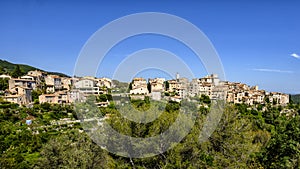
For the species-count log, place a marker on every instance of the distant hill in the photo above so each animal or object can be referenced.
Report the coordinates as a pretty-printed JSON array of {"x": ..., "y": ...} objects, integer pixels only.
[
  {"x": 7, "y": 67},
  {"x": 119, "y": 84},
  {"x": 295, "y": 98}
]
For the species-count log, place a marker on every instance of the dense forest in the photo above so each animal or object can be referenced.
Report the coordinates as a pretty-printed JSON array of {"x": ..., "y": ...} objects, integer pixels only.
[{"x": 261, "y": 136}]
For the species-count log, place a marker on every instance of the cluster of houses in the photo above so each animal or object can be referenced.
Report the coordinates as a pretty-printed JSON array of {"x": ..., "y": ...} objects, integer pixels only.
[
  {"x": 57, "y": 89},
  {"x": 54, "y": 88},
  {"x": 210, "y": 85}
]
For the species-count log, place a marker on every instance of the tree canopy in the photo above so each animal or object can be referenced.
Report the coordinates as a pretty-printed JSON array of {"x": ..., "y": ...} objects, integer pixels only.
[{"x": 246, "y": 137}]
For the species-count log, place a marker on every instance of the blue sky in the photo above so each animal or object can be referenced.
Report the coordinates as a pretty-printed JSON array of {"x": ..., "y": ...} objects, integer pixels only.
[{"x": 254, "y": 39}]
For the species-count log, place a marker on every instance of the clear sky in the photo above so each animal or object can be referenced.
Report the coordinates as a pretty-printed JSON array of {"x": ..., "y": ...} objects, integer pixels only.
[{"x": 258, "y": 41}]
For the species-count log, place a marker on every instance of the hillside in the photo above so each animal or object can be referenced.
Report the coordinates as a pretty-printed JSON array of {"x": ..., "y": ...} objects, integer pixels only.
[
  {"x": 295, "y": 98},
  {"x": 7, "y": 67}
]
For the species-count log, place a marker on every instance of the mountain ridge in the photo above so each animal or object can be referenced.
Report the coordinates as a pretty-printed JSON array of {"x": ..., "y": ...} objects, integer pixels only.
[{"x": 7, "y": 67}]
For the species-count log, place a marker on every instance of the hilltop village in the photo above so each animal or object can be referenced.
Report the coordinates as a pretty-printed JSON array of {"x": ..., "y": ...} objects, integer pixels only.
[{"x": 64, "y": 90}]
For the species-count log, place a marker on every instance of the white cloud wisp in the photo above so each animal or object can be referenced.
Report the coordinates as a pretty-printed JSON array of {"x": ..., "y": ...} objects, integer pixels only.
[
  {"x": 295, "y": 55},
  {"x": 273, "y": 70}
]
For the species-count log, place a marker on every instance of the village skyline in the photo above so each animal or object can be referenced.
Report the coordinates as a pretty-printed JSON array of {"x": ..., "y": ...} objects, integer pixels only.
[{"x": 49, "y": 88}]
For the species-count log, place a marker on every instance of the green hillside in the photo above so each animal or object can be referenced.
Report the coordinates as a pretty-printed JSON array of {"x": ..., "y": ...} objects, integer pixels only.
[
  {"x": 7, "y": 68},
  {"x": 295, "y": 98}
]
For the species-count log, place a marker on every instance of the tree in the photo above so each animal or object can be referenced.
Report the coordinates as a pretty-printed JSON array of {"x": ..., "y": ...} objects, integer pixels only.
[
  {"x": 35, "y": 94},
  {"x": 167, "y": 85},
  {"x": 16, "y": 72},
  {"x": 129, "y": 87},
  {"x": 149, "y": 87},
  {"x": 283, "y": 150},
  {"x": 267, "y": 100},
  {"x": 205, "y": 99},
  {"x": 2, "y": 70},
  {"x": 72, "y": 150},
  {"x": 290, "y": 99},
  {"x": 232, "y": 142},
  {"x": 102, "y": 98},
  {"x": 3, "y": 84}
]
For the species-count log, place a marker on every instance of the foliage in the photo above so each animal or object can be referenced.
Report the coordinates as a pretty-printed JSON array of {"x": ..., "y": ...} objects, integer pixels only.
[
  {"x": 130, "y": 86},
  {"x": 104, "y": 97},
  {"x": 283, "y": 150},
  {"x": 10, "y": 67},
  {"x": 149, "y": 87},
  {"x": 35, "y": 94},
  {"x": 167, "y": 85},
  {"x": 2, "y": 70},
  {"x": 246, "y": 137},
  {"x": 17, "y": 72},
  {"x": 3, "y": 84},
  {"x": 72, "y": 150},
  {"x": 204, "y": 99}
]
